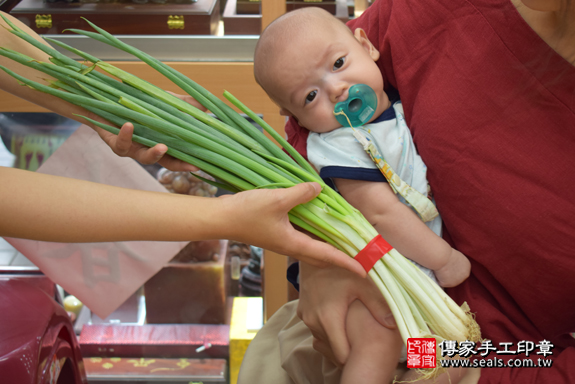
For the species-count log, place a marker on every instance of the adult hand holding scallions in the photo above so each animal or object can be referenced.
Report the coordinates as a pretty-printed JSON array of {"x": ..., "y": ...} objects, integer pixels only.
[
  {"x": 122, "y": 145},
  {"x": 240, "y": 158}
]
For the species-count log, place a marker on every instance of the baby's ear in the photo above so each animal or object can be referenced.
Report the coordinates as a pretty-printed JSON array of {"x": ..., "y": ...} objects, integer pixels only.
[
  {"x": 361, "y": 36},
  {"x": 285, "y": 112}
]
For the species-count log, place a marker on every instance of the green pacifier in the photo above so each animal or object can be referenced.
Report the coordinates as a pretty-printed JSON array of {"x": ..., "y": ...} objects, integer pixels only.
[{"x": 358, "y": 108}]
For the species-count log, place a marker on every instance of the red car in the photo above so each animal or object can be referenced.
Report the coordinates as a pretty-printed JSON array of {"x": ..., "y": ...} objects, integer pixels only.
[{"x": 37, "y": 340}]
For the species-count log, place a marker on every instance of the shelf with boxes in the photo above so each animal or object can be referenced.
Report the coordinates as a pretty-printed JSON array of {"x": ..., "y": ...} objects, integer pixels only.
[
  {"x": 243, "y": 17},
  {"x": 159, "y": 17},
  {"x": 200, "y": 17}
]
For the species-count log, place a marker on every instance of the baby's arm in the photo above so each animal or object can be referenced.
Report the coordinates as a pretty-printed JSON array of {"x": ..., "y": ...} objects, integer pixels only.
[{"x": 404, "y": 230}]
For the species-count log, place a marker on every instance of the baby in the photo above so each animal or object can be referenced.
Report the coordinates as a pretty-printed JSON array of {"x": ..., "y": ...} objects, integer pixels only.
[{"x": 306, "y": 61}]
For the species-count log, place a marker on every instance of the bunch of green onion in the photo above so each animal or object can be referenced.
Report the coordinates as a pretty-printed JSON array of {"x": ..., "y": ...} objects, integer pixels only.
[{"x": 240, "y": 157}]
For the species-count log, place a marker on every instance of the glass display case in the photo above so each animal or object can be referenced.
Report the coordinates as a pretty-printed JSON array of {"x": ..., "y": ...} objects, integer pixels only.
[{"x": 32, "y": 137}]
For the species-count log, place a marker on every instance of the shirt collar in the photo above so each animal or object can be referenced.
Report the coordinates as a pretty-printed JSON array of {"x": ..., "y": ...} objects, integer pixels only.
[{"x": 388, "y": 114}]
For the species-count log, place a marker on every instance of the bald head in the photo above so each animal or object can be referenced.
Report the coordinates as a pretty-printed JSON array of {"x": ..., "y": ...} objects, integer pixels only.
[{"x": 286, "y": 32}]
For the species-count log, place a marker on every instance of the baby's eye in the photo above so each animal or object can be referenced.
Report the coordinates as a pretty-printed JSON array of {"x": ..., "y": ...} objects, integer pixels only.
[
  {"x": 310, "y": 96},
  {"x": 339, "y": 63}
]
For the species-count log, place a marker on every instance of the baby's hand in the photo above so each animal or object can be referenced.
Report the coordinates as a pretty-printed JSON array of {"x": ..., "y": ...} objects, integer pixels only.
[{"x": 455, "y": 271}]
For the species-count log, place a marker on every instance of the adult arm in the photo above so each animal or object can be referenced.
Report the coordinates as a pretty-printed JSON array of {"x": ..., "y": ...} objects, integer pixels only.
[
  {"x": 122, "y": 145},
  {"x": 53, "y": 208}
]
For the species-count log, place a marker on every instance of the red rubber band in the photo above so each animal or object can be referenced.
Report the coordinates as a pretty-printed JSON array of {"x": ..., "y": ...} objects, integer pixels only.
[{"x": 373, "y": 251}]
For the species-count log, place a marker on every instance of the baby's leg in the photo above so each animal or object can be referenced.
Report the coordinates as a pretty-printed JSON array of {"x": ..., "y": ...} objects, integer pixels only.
[{"x": 375, "y": 350}]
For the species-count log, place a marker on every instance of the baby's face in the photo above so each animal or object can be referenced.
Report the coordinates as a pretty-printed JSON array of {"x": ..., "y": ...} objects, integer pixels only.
[{"x": 315, "y": 73}]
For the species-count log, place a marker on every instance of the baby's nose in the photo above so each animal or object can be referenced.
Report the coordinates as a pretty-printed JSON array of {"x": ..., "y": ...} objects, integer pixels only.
[{"x": 339, "y": 92}]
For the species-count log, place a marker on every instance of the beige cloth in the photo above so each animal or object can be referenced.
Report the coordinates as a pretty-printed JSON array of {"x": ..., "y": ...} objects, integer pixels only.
[{"x": 282, "y": 353}]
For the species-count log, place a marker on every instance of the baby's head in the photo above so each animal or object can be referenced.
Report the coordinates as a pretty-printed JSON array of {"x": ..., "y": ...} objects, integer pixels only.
[{"x": 307, "y": 60}]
